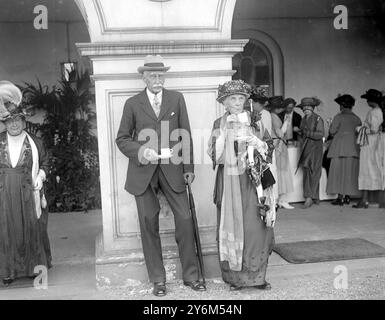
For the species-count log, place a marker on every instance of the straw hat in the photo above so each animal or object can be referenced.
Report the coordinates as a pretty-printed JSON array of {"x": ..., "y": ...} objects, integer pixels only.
[{"x": 153, "y": 63}]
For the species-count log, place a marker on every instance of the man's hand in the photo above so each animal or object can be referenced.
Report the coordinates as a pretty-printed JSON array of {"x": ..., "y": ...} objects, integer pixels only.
[
  {"x": 150, "y": 155},
  {"x": 189, "y": 177},
  {"x": 296, "y": 129}
]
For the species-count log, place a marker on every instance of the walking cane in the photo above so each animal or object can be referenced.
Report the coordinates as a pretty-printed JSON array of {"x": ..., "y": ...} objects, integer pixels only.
[{"x": 196, "y": 234}]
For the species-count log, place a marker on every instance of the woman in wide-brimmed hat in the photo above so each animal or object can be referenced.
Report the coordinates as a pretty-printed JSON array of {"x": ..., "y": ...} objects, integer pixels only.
[
  {"x": 23, "y": 166},
  {"x": 281, "y": 153},
  {"x": 244, "y": 233},
  {"x": 371, "y": 172},
  {"x": 344, "y": 152},
  {"x": 312, "y": 132}
]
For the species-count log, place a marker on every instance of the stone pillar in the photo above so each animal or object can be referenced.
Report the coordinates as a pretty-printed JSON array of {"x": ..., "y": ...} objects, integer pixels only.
[{"x": 194, "y": 38}]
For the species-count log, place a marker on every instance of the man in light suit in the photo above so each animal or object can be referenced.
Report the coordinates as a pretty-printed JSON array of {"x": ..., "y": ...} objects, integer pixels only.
[{"x": 153, "y": 122}]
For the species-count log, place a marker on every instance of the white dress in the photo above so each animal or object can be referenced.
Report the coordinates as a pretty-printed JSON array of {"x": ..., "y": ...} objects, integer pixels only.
[{"x": 371, "y": 174}]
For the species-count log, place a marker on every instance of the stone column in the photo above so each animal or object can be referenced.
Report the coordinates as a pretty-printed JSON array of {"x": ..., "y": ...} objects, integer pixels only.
[{"x": 194, "y": 38}]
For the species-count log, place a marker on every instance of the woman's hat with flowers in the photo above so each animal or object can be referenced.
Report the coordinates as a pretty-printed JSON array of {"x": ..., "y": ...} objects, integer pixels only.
[
  {"x": 10, "y": 101},
  {"x": 233, "y": 87},
  {"x": 309, "y": 102}
]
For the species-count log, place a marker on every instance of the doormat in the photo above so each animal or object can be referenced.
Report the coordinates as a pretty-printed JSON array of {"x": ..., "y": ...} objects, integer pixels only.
[{"x": 328, "y": 250}]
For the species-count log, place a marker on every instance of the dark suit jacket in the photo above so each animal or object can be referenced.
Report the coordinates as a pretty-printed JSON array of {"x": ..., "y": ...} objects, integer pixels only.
[
  {"x": 138, "y": 123},
  {"x": 296, "y": 122}
]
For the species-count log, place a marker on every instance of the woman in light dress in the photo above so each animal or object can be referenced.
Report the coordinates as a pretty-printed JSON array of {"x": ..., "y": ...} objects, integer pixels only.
[
  {"x": 371, "y": 175},
  {"x": 284, "y": 174},
  {"x": 245, "y": 227}
]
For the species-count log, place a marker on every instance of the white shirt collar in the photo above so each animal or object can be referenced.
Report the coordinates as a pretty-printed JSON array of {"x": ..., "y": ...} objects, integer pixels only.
[{"x": 151, "y": 96}]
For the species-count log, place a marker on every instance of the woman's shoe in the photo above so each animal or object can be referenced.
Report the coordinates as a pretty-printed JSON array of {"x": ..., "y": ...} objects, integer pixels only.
[
  {"x": 265, "y": 286},
  {"x": 338, "y": 202},
  {"x": 347, "y": 199},
  {"x": 235, "y": 288},
  {"x": 285, "y": 205},
  {"x": 7, "y": 281},
  {"x": 308, "y": 203},
  {"x": 361, "y": 204}
]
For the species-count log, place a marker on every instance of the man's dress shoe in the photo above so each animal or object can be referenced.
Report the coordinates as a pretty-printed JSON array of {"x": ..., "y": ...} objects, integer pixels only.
[
  {"x": 159, "y": 289},
  {"x": 195, "y": 285}
]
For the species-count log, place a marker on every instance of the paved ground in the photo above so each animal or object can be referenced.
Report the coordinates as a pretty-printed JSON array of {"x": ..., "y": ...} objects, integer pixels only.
[{"x": 73, "y": 276}]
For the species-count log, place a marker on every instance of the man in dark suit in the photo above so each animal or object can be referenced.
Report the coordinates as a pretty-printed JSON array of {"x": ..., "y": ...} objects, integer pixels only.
[
  {"x": 294, "y": 119},
  {"x": 155, "y": 135}
]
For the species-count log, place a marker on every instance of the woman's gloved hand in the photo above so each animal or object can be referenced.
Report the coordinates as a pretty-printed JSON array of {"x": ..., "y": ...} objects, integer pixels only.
[{"x": 38, "y": 185}]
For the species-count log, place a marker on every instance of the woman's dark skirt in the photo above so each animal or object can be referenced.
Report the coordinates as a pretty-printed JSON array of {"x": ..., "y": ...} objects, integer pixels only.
[
  {"x": 343, "y": 176},
  {"x": 22, "y": 235}
]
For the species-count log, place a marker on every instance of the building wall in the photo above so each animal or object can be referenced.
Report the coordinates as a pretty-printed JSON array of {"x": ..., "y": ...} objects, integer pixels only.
[
  {"x": 318, "y": 60},
  {"x": 322, "y": 61},
  {"x": 28, "y": 54}
]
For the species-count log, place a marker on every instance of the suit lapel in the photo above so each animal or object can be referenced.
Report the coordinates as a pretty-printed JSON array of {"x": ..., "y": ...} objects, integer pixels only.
[
  {"x": 165, "y": 104},
  {"x": 146, "y": 105}
]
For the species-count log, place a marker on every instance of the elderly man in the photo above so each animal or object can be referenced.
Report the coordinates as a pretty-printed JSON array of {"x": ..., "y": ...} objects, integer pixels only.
[{"x": 154, "y": 126}]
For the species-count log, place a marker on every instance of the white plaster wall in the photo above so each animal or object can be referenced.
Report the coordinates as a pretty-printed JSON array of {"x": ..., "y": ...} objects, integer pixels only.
[
  {"x": 28, "y": 54},
  {"x": 322, "y": 61}
]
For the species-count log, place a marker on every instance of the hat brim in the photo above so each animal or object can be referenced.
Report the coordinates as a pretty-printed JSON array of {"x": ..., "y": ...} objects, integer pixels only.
[
  {"x": 13, "y": 115},
  {"x": 221, "y": 98},
  {"x": 146, "y": 68},
  {"x": 338, "y": 101},
  {"x": 306, "y": 105},
  {"x": 371, "y": 98},
  {"x": 344, "y": 103}
]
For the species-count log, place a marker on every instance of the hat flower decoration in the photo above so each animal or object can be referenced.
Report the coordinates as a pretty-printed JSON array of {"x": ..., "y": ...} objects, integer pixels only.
[
  {"x": 232, "y": 87},
  {"x": 11, "y": 102}
]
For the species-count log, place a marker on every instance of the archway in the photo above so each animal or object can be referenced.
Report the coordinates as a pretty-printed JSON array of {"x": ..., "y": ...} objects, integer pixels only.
[
  {"x": 267, "y": 57},
  {"x": 255, "y": 66}
]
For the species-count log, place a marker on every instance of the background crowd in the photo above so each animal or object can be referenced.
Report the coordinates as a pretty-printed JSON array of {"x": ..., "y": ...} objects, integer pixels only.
[{"x": 351, "y": 151}]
